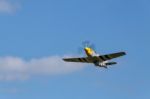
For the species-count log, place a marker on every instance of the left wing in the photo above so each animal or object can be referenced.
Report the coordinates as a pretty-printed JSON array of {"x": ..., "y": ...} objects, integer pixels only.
[{"x": 81, "y": 59}]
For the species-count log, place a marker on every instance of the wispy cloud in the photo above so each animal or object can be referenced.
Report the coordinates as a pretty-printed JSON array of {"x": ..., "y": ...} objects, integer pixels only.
[
  {"x": 7, "y": 6},
  {"x": 15, "y": 68}
]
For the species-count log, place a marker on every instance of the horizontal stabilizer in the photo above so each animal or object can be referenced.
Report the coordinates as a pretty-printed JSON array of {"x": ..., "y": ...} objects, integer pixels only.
[{"x": 111, "y": 63}]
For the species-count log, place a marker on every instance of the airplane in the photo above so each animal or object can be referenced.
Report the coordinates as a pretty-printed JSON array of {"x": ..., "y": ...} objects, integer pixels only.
[{"x": 96, "y": 59}]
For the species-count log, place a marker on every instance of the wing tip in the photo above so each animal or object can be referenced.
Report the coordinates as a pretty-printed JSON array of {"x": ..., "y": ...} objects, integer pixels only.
[{"x": 64, "y": 59}]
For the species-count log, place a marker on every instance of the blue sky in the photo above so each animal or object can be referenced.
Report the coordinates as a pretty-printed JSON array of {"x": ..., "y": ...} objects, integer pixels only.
[{"x": 36, "y": 34}]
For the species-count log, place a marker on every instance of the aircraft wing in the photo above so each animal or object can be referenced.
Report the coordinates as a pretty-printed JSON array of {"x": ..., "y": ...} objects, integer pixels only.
[
  {"x": 111, "y": 56},
  {"x": 81, "y": 59},
  {"x": 100, "y": 58}
]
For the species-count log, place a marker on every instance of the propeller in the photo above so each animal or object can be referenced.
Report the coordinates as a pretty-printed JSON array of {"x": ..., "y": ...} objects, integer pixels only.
[
  {"x": 88, "y": 44},
  {"x": 85, "y": 44}
]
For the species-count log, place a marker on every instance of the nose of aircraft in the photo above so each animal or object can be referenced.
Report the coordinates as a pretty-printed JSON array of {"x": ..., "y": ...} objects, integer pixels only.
[{"x": 86, "y": 48}]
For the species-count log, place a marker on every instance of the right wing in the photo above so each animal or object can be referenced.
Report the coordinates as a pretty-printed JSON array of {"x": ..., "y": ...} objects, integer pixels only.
[
  {"x": 111, "y": 56},
  {"x": 81, "y": 59}
]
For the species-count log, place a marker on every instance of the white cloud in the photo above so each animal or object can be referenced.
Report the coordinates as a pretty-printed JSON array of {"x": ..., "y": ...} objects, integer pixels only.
[
  {"x": 8, "y": 7},
  {"x": 14, "y": 68}
]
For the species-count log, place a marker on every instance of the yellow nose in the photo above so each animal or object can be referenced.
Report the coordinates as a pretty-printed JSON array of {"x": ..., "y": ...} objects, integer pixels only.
[
  {"x": 87, "y": 48},
  {"x": 88, "y": 51}
]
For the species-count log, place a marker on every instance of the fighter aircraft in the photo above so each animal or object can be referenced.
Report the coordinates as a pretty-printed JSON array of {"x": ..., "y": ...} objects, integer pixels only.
[{"x": 96, "y": 59}]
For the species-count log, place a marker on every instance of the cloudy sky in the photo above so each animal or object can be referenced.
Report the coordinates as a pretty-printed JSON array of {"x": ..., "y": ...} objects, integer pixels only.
[{"x": 35, "y": 35}]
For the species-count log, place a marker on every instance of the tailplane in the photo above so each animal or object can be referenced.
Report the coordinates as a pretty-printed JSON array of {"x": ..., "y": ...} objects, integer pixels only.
[
  {"x": 111, "y": 63},
  {"x": 104, "y": 64}
]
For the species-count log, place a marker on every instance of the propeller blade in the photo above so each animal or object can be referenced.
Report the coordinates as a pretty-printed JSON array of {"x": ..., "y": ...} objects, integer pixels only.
[{"x": 86, "y": 44}]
